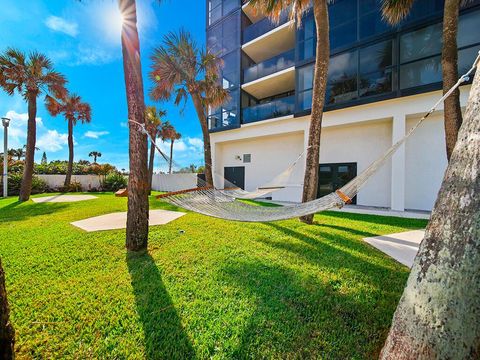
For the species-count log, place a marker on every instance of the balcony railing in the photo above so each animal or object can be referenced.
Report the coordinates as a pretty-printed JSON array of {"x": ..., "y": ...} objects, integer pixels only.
[
  {"x": 270, "y": 66},
  {"x": 262, "y": 27},
  {"x": 277, "y": 108}
]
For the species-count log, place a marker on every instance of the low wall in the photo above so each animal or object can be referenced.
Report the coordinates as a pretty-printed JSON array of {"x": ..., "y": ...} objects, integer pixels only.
[
  {"x": 173, "y": 182},
  {"x": 88, "y": 182}
]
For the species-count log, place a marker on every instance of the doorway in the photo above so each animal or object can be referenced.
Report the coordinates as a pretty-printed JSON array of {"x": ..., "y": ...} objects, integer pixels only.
[
  {"x": 334, "y": 176},
  {"x": 234, "y": 175}
]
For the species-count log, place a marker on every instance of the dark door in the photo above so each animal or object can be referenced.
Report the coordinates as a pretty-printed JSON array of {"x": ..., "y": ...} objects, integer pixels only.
[
  {"x": 334, "y": 176},
  {"x": 235, "y": 175}
]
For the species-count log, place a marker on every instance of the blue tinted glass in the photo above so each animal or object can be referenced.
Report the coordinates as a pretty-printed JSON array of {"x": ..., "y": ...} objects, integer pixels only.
[
  {"x": 376, "y": 57},
  {"x": 421, "y": 72},
  {"x": 342, "y": 78},
  {"x": 421, "y": 43},
  {"x": 468, "y": 29},
  {"x": 343, "y": 35},
  {"x": 341, "y": 11}
]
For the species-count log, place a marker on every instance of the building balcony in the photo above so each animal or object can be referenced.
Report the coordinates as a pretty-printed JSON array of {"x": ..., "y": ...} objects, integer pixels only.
[
  {"x": 270, "y": 66},
  {"x": 265, "y": 38},
  {"x": 274, "y": 109},
  {"x": 279, "y": 82}
]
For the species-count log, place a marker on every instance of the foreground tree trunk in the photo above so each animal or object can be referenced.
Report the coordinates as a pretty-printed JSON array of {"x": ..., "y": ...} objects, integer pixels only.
[
  {"x": 207, "y": 149},
  {"x": 150, "y": 165},
  {"x": 138, "y": 186},
  {"x": 453, "y": 112},
  {"x": 26, "y": 186},
  {"x": 438, "y": 316},
  {"x": 310, "y": 182},
  {"x": 171, "y": 156},
  {"x": 68, "y": 177},
  {"x": 7, "y": 334}
]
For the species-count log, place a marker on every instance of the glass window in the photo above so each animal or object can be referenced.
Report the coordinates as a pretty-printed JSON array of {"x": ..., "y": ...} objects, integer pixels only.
[
  {"x": 225, "y": 36},
  {"x": 342, "y": 78},
  {"x": 343, "y": 23},
  {"x": 307, "y": 39},
  {"x": 468, "y": 29},
  {"x": 466, "y": 58},
  {"x": 421, "y": 72},
  {"x": 376, "y": 69},
  {"x": 371, "y": 21},
  {"x": 231, "y": 70},
  {"x": 421, "y": 43},
  {"x": 219, "y": 8},
  {"x": 424, "y": 8},
  {"x": 304, "y": 87}
]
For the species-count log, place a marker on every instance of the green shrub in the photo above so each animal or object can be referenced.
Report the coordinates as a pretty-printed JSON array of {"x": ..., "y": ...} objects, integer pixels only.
[
  {"x": 15, "y": 181},
  {"x": 114, "y": 181},
  {"x": 74, "y": 186}
]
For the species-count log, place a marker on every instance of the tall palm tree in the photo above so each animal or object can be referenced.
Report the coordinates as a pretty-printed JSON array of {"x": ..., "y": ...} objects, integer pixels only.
[
  {"x": 180, "y": 68},
  {"x": 7, "y": 333},
  {"x": 30, "y": 76},
  {"x": 169, "y": 133},
  {"x": 395, "y": 11},
  {"x": 95, "y": 154},
  {"x": 297, "y": 8},
  {"x": 73, "y": 109},
  {"x": 18, "y": 153},
  {"x": 153, "y": 121},
  {"x": 137, "y": 215}
]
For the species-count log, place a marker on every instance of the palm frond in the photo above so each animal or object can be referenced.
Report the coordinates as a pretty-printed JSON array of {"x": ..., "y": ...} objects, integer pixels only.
[{"x": 394, "y": 11}]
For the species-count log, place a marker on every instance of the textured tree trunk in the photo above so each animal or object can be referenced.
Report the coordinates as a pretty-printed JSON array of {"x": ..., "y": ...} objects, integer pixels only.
[
  {"x": 150, "y": 164},
  {"x": 138, "y": 186},
  {"x": 26, "y": 186},
  {"x": 171, "y": 156},
  {"x": 452, "y": 110},
  {"x": 197, "y": 102},
  {"x": 68, "y": 177},
  {"x": 438, "y": 316},
  {"x": 7, "y": 334},
  {"x": 310, "y": 183}
]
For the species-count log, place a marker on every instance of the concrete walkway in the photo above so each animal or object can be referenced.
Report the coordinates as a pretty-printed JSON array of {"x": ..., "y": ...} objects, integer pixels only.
[
  {"x": 403, "y": 247},
  {"x": 63, "y": 198},
  {"x": 119, "y": 220}
]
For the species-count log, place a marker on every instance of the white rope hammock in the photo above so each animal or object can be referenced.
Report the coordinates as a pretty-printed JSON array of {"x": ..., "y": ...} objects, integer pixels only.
[{"x": 225, "y": 204}]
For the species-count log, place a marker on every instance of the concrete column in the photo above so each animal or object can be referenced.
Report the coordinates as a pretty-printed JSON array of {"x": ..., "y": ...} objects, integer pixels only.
[{"x": 397, "y": 193}]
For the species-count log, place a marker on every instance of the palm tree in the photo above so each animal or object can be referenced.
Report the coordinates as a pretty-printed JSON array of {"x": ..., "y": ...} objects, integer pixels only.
[
  {"x": 95, "y": 154},
  {"x": 153, "y": 125},
  {"x": 180, "y": 68},
  {"x": 30, "y": 76},
  {"x": 18, "y": 153},
  {"x": 7, "y": 333},
  {"x": 274, "y": 8},
  {"x": 395, "y": 11},
  {"x": 73, "y": 109},
  {"x": 169, "y": 133},
  {"x": 137, "y": 215}
]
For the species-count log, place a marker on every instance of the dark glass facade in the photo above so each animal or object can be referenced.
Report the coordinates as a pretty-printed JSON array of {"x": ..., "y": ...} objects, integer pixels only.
[{"x": 370, "y": 60}]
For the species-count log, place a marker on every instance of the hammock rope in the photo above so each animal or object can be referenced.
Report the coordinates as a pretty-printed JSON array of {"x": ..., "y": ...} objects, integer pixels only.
[{"x": 224, "y": 203}]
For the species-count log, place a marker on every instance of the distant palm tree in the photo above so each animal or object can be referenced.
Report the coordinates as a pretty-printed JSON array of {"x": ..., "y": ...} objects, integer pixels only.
[
  {"x": 395, "y": 11},
  {"x": 18, "y": 153},
  {"x": 95, "y": 154},
  {"x": 30, "y": 76},
  {"x": 180, "y": 68},
  {"x": 73, "y": 109},
  {"x": 169, "y": 133},
  {"x": 153, "y": 123},
  {"x": 297, "y": 8}
]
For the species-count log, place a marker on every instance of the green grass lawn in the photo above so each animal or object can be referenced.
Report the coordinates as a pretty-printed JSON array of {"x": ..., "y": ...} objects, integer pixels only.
[{"x": 206, "y": 289}]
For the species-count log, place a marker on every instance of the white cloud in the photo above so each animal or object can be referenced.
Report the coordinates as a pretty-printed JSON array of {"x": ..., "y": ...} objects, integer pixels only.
[
  {"x": 93, "y": 56},
  {"x": 17, "y": 130},
  {"x": 95, "y": 134},
  {"x": 52, "y": 141},
  {"x": 124, "y": 124},
  {"x": 61, "y": 25}
]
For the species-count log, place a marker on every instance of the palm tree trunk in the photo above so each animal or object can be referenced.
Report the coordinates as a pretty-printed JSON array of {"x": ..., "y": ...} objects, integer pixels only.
[
  {"x": 197, "y": 102},
  {"x": 150, "y": 164},
  {"x": 26, "y": 186},
  {"x": 68, "y": 177},
  {"x": 452, "y": 110},
  {"x": 7, "y": 333},
  {"x": 171, "y": 156},
  {"x": 438, "y": 315},
  {"x": 320, "y": 11},
  {"x": 137, "y": 215}
]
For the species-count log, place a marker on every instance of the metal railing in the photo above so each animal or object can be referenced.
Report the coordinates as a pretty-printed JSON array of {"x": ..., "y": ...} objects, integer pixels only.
[{"x": 270, "y": 66}]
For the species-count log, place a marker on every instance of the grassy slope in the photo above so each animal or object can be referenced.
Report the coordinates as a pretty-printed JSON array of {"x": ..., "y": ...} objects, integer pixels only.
[{"x": 220, "y": 289}]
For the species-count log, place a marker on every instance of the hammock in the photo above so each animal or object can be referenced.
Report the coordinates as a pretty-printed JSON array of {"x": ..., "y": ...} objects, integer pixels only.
[{"x": 224, "y": 204}]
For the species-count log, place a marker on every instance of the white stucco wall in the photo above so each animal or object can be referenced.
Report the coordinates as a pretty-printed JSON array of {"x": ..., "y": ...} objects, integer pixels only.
[
  {"x": 173, "y": 182},
  {"x": 88, "y": 182},
  {"x": 425, "y": 163},
  {"x": 270, "y": 157}
]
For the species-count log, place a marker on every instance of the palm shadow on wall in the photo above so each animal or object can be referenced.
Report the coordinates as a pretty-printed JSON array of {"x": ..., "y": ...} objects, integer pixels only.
[{"x": 165, "y": 337}]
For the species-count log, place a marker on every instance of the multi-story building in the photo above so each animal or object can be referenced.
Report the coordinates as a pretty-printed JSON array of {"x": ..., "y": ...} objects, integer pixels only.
[{"x": 381, "y": 80}]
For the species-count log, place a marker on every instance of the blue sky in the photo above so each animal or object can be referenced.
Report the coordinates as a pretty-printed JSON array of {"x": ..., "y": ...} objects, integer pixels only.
[{"x": 83, "y": 41}]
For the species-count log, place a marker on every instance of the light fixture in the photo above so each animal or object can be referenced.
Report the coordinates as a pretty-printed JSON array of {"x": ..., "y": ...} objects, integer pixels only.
[{"x": 5, "y": 122}]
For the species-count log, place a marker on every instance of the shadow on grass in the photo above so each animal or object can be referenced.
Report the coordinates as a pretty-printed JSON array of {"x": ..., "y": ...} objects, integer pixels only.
[
  {"x": 19, "y": 211},
  {"x": 377, "y": 219},
  {"x": 163, "y": 331},
  {"x": 304, "y": 317}
]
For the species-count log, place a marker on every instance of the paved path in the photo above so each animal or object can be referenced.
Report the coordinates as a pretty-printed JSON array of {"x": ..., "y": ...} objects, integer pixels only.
[
  {"x": 63, "y": 198},
  {"x": 403, "y": 247},
  {"x": 118, "y": 220}
]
